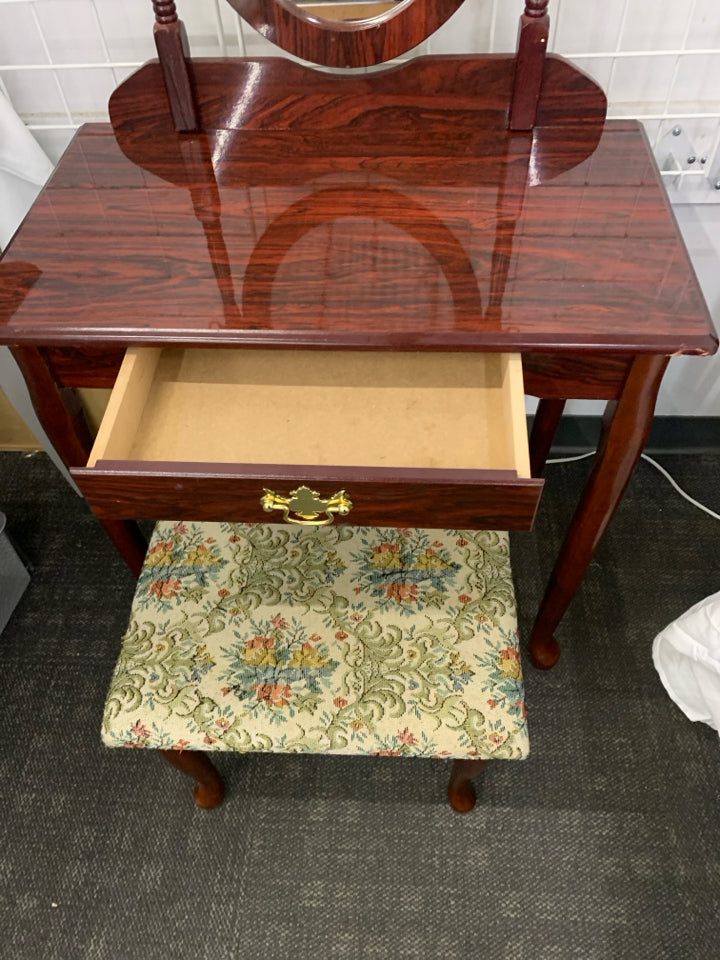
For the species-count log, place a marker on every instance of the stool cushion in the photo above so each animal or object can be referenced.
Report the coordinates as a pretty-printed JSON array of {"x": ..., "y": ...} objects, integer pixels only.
[{"x": 336, "y": 639}]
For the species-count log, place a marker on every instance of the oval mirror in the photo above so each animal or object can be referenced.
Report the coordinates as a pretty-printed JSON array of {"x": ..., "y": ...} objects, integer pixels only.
[
  {"x": 348, "y": 10},
  {"x": 346, "y": 33}
]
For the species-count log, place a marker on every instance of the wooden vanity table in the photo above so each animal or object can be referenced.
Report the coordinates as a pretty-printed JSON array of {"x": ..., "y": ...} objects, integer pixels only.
[{"x": 340, "y": 283}]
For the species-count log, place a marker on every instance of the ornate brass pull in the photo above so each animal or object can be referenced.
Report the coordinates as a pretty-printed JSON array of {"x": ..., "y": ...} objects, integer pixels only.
[{"x": 308, "y": 505}]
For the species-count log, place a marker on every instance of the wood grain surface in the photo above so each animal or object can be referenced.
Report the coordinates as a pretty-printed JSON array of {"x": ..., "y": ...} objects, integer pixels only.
[
  {"x": 463, "y": 499},
  {"x": 395, "y": 213}
]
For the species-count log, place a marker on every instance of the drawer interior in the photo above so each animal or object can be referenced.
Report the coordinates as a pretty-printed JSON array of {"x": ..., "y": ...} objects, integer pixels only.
[{"x": 335, "y": 408}]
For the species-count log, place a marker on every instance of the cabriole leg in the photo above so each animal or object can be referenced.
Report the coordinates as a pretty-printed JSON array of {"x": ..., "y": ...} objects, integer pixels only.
[
  {"x": 209, "y": 788},
  {"x": 626, "y": 427},
  {"x": 461, "y": 790},
  {"x": 545, "y": 424}
]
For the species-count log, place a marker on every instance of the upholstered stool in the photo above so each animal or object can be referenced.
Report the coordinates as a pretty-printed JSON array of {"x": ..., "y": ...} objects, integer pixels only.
[{"x": 334, "y": 639}]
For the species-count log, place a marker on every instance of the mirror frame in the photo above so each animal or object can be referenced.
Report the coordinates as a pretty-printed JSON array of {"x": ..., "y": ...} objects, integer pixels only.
[{"x": 347, "y": 43}]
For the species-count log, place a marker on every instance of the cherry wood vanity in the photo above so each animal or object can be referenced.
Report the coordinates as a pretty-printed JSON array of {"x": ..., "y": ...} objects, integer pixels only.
[{"x": 297, "y": 279}]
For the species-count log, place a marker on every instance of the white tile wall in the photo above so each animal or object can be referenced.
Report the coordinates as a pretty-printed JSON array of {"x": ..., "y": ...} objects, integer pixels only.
[{"x": 589, "y": 27}]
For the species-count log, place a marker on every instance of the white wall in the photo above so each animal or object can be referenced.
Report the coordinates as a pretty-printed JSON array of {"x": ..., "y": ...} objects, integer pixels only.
[
  {"x": 657, "y": 59},
  {"x": 692, "y": 384}
]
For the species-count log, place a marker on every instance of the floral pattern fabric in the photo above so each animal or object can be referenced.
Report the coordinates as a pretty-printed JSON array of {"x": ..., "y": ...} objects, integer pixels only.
[{"x": 335, "y": 639}]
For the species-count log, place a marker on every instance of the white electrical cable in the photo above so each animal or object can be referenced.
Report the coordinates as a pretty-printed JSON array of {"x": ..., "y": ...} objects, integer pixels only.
[
  {"x": 581, "y": 456},
  {"x": 682, "y": 493},
  {"x": 662, "y": 470}
]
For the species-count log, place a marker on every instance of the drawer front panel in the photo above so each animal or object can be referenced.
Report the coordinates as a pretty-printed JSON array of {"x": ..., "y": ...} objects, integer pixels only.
[{"x": 434, "y": 499}]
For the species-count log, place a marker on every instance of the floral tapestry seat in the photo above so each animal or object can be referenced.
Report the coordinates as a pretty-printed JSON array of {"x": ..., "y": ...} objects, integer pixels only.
[{"x": 334, "y": 639}]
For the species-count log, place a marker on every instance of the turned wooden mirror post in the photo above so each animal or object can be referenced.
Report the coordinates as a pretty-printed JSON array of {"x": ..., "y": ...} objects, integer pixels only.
[
  {"x": 349, "y": 44},
  {"x": 530, "y": 64},
  {"x": 173, "y": 51}
]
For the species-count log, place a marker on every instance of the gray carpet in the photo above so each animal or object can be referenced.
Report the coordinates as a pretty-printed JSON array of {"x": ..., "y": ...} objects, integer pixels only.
[{"x": 604, "y": 845}]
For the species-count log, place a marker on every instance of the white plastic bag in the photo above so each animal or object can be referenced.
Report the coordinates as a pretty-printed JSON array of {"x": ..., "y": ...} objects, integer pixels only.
[
  {"x": 24, "y": 168},
  {"x": 686, "y": 655}
]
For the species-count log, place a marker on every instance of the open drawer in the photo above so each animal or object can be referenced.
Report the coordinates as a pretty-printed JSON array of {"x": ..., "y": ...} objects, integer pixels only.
[{"x": 383, "y": 439}]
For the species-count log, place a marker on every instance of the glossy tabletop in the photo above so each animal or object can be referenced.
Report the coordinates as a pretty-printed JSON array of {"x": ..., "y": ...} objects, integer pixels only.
[{"x": 407, "y": 236}]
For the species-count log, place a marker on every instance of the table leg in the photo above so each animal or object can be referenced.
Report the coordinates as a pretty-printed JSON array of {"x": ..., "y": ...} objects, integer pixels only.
[
  {"x": 129, "y": 541},
  {"x": 62, "y": 416},
  {"x": 625, "y": 430},
  {"x": 58, "y": 409},
  {"x": 545, "y": 423}
]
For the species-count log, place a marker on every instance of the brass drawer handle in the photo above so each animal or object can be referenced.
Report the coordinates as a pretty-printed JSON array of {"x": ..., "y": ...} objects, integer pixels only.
[{"x": 308, "y": 505}]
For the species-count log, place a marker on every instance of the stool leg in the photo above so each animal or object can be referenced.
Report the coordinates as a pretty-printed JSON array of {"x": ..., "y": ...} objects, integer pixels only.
[
  {"x": 461, "y": 792},
  {"x": 209, "y": 788}
]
